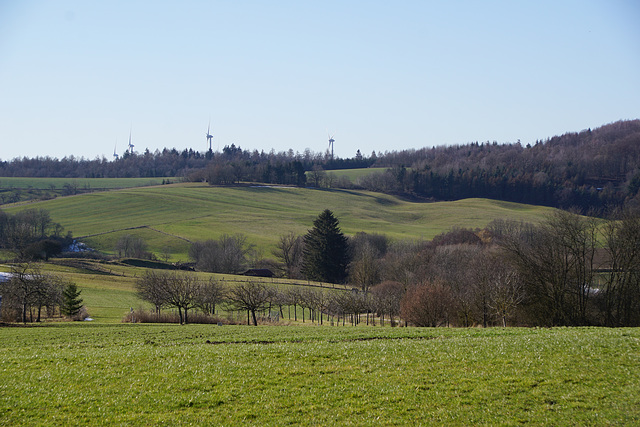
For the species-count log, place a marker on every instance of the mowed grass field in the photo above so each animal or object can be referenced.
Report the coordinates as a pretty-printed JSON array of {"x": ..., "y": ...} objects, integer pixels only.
[
  {"x": 354, "y": 174},
  {"x": 81, "y": 183},
  {"x": 85, "y": 374},
  {"x": 169, "y": 217}
]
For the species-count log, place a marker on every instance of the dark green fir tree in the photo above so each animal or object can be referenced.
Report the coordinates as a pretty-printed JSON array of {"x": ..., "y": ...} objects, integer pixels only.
[
  {"x": 326, "y": 253},
  {"x": 71, "y": 301}
]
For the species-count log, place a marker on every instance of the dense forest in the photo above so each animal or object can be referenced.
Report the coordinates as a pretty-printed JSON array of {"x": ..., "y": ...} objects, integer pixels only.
[{"x": 592, "y": 170}]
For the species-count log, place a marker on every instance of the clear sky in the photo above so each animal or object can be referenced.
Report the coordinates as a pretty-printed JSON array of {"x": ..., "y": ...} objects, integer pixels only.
[{"x": 77, "y": 76}]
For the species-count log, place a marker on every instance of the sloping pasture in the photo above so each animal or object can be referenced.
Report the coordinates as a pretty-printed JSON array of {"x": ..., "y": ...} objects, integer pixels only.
[{"x": 172, "y": 216}]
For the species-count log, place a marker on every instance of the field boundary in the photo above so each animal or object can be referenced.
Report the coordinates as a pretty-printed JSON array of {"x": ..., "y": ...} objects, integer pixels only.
[{"x": 137, "y": 227}]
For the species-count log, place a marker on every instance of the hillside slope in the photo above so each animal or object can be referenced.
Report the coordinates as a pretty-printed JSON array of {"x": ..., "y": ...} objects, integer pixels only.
[{"x": 170, "y": 217}]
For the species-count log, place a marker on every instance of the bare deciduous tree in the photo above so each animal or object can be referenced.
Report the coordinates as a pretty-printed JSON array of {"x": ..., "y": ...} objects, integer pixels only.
[
  {"x": 210, "y": 294},
  {"x": 289, "y": 250},
  {"x": 621, "y": 291},
  {"x": 250, "y": 296},
  {"x": 427, "y": 304},
  {"x": 505, "y": 294}
]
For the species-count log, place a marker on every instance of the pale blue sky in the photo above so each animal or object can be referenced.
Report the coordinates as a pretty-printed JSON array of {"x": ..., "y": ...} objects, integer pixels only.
[{"x": 76, "y": 75}]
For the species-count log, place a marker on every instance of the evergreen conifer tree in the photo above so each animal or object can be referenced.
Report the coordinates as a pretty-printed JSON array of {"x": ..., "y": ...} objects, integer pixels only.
[
  {"x": 71, "y": 301},
  {"x": 326, "y": 254}
]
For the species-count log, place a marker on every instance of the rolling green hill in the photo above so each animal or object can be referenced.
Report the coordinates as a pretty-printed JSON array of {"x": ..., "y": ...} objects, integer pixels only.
[
  {"x": 171, "y": 216},
  {"x": 25, "y": 183}
]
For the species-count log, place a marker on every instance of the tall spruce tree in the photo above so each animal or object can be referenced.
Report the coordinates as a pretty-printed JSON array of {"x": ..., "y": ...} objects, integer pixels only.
[
  {"x": 326, "y": 254},
  {"x": 71, "y": 301}
]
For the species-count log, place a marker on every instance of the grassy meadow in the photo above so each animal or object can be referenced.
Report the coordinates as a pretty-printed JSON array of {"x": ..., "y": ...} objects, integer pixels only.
[
  {"x": 169, "y": 217},
  {"x": 353, "y": 174},
  {"x": 91, "y": 374},
  {"x": 25, "y": 183}
]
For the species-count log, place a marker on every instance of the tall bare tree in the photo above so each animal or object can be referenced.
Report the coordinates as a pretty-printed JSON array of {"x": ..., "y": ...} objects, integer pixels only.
[
  {"x": 288, "y": 250},
  {"x": 621, "y": 291},
  {"x": 250, "y": 296}
]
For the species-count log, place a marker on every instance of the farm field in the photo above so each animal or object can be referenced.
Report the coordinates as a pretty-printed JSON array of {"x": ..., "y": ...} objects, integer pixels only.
[
  {"x": 354, "y": 174},
  {"x": 169, "y": 217},
  {"x": 89, "y": 374},
  {"x": 25, "y": 183}
]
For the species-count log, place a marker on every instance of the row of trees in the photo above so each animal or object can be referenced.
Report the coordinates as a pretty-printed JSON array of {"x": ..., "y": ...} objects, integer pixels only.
[
  {"x": 30, "y": 295},
  {"x": 185, "y": 293}
]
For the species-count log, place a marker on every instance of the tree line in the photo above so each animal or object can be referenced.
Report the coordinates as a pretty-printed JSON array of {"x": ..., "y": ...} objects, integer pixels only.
[{"x": 592, "y": 170}]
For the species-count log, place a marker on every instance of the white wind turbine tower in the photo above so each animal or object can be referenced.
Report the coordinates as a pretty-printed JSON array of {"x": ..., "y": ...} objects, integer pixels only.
[
  {"x": 130, "y": 144},
  {"x": 209, "y": 136},
  {"x": 331, "y": 140},
  {"x": 115, "y": 155}
]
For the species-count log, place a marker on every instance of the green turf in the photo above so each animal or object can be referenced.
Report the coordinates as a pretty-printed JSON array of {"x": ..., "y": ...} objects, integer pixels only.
[
  {"x": 173, "y": 215},
  {"x": 86, "y": 374},
  {"x": 354, "y": 174},
  {"x": 81, "y": 183}
]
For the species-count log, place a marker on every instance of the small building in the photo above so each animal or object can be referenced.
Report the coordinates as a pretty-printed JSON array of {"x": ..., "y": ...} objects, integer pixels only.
[{"x": 259, "y": 272}]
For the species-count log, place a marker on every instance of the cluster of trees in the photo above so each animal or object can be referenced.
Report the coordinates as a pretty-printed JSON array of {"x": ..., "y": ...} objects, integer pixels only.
[
  {"x": 229, "y": 254},
  {"x": 30, "y": 295},
  {"x": 130, "y": 246},
  {"x": 554, "y": 273},
  {"x": 31, "y": 234},
  {"x": 590, "y": 170}
]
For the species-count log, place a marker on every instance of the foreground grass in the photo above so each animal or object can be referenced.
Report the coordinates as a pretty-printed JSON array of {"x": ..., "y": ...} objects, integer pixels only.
[{"x": 80, "y": 374}]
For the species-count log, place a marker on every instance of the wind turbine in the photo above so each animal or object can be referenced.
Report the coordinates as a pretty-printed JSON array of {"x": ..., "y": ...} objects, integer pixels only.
[
  {"x": 114, "y": 151},
  {"x": 209, "y": 136},
  {"x": 331, "y": 140},
  {"x": 130, "y": 144}
]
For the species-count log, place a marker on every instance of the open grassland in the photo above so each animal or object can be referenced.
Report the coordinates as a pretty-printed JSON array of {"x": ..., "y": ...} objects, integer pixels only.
[
  {"x": 171, "y": 216},
  {"x": 84, "y": 374},
  {"x": 25, "y": 183},
  {"x": 354, "y": 174}
]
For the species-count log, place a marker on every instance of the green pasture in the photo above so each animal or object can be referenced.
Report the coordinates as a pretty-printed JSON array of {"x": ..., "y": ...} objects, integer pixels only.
[
  {"x": 171, "y": 216},
  {"x": 25, "y": 183},
  {"x": 88, "y": 374},
  {"x": 354, "y": 174}
]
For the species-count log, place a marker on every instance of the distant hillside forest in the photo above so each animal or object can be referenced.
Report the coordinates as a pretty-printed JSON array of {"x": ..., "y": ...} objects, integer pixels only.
[{"x": 592, "y": 171}]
